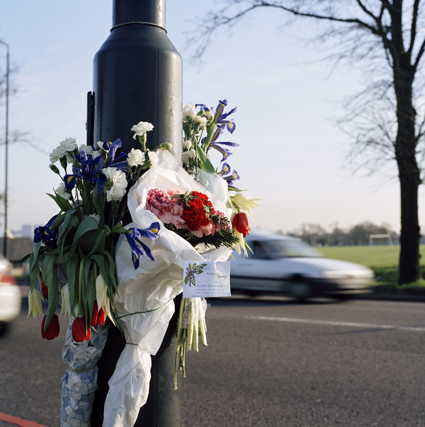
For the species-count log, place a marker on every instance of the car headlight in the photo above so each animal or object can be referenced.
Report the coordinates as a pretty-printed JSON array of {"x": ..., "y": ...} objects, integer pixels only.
[
  {"x": 333, "y": 274},
  {"x": 357, "y": 274}
]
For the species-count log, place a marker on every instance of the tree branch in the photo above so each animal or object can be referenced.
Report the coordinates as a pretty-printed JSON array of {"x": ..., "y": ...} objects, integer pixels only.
[
  {"x": 419, "y": 56},
  {"x": 366, "y": 10},
  {"x": 413, "y": 27},
  {"x": 317, "y": 16}
]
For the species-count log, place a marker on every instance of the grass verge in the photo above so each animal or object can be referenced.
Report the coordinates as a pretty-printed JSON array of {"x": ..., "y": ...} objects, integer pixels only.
[{"x": 383, "y": 260}]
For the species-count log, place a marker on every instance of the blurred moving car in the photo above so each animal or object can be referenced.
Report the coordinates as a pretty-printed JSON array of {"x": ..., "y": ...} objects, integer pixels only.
[
  {"x": 286, "y": 265},
  {"x": 10, "y": 296}
]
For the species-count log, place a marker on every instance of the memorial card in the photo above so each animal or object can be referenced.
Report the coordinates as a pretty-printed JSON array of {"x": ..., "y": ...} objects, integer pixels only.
[{"x": 206, "y": 279}]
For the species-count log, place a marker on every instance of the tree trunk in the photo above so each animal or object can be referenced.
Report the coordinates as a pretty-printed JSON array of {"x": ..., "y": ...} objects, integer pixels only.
[
  {"x": 409, "y": 239},
  {"x": 409, "y": 174}
]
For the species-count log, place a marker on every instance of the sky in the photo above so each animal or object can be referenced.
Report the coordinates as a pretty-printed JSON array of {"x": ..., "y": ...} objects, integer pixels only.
[{"x": 291, "y": 153}]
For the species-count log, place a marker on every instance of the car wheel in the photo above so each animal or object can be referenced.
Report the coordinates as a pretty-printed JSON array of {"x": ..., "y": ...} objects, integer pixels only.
[{"x": 299, "y": 289}]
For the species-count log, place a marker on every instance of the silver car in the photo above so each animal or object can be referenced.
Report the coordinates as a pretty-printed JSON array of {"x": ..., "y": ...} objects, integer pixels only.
[
  {"x": 10, "y": 296},
  {"x": 286, "y": 265}
]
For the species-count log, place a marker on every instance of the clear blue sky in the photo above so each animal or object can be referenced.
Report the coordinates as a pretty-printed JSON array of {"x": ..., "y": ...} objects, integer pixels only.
[{"x": 291, "y": 153}]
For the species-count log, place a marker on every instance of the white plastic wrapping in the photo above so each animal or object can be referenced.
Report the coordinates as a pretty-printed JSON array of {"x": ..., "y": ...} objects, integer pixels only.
[{"x": 144, "y": 303}]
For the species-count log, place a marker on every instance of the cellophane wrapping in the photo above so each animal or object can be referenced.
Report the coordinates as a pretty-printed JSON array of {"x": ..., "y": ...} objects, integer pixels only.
[{"x": 144, "y": 303}]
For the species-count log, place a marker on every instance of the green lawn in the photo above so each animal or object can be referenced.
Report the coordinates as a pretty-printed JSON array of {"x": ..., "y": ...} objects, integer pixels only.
[{"x": 383, "y": 260}]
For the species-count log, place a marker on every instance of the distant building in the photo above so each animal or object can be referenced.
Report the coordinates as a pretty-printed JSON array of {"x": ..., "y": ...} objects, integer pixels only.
[{"x": 26, "y": 230}]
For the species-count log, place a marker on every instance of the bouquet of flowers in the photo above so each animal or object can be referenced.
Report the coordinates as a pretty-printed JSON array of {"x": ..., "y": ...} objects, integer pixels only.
[
  {"x": 192, "y": 216},
  {"x": 73, "y": 258},
  {"x": 202, "y": 128},
  {"x": 80, "y": 240},
  {"x": 97, "y": 267}
]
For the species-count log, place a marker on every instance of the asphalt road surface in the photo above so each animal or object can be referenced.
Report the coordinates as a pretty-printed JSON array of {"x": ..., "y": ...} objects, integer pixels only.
[{"x": 270, "y": 362}]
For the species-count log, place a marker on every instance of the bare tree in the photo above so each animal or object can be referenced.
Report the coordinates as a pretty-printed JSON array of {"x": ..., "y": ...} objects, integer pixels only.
[{"x": 387, "y": 37}]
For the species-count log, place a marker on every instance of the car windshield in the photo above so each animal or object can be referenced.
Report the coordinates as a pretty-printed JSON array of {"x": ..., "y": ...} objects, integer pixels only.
[{"x": 277, "y": 248}]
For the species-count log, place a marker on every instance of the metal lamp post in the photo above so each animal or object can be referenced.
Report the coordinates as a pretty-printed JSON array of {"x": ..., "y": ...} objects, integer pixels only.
[
  {"x": 6, "y": 148},
  {"x": 138, "y": 77}
]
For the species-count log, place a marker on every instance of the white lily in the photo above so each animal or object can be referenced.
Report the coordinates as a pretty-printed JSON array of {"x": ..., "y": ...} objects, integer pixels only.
[
  {"x": 244, "y": 202},
  {"x": 34, "y": 303},
  {"x": 102, "y": 297},
  {"x": 66, "y": 303},
  {"x": 241, "y": 245}
]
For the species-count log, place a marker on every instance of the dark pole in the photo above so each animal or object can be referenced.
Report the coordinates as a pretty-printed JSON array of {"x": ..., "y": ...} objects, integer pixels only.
[
  {"x": 138, "y": 77},
  {"x": 6, "y": 149}
]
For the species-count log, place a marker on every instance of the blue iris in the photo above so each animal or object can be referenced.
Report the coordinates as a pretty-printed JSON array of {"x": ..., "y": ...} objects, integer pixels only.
[
  {"x": 218, "y": 144},
  {"x": 120, "y": 162},
  {"x": 221, "y": 118},
  {"x": 45, "y": 234},
  {"x": 138, "y": 248},
  {"x": 229, "y": 176},
  {"x": 90, "y": 171}
]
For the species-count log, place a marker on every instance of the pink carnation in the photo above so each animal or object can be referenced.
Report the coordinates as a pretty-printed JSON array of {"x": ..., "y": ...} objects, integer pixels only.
[{"x": 167, "y": 210}]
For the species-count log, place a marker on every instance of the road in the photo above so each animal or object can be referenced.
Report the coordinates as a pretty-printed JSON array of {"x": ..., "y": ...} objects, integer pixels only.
[{"x": 270, "y": 362}]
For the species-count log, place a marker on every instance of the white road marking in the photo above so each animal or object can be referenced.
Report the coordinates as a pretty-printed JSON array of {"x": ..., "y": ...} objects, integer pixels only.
[{"x": 349, "y": 324}]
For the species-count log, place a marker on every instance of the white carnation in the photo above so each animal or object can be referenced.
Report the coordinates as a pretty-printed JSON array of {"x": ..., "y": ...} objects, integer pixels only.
[
  {"x": 141, "y": 128},
  {"x": 189, "y": 110},
  {"x": 87, "y": 148},
  {"x": 201, "y": 120},
  {"x": 119, "y": 184},
  {"x": 115, "y": 193},
  {"x": 188, "y": 155},
  {"x": 57, "y": 154},
  {"x": 187, "y": 144},
  {"x": 136, "y": 157},
  {"x": 61, "y": 191},
  {"x": 69, "y": 144},
  {"x": 116, "y": 176}
]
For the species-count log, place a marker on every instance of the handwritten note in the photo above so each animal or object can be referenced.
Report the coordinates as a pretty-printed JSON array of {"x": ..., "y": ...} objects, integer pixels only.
[{"x": 206, "y": 279}]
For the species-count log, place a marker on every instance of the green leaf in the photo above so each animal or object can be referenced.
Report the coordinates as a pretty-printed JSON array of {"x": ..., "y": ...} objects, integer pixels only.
[
  {"x": 64, "y": 227},
  {"x": 206, "y": 164},
  {"x": 119, "y": 228},
  {"x": 91, "y": 288},
  {"x": 103, "y": 263},
  {"x": 186, "y": 280},
  {"x": 34, "y": 263},
  {"x": 88, "y": 290},
  {"x": 66, "y": 231},
  {"x": 93, "y": 241},
  {"x": 34, "y": 272},
  {"x": 86, "y": 225},
  {"x": 50, "y": 276},
  {"x": 61, "y": 202},
  {"x": 112, "y": 271},
  {"x": 72, "y": 277},
  {"x": 97, "y": 200}
]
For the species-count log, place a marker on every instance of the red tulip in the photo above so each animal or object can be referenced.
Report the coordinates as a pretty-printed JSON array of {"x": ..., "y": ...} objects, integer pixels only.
[
  {"x": 95, "y": 315},
  {"x": 44, "y": 289},
  {"x": 79, "y": 331},
  {"x": 101, "y": 318},
  {"x": 240, "y": 222},
  {"x": 52, "y": 330}
]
